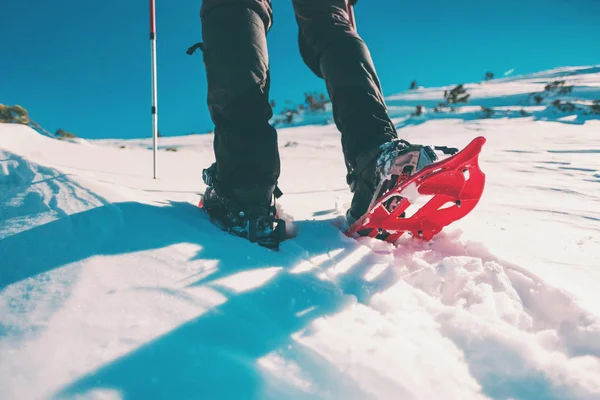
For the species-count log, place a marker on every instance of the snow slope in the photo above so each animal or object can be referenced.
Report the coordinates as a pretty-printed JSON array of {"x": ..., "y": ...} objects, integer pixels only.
[{"x": 115, "y": 285}]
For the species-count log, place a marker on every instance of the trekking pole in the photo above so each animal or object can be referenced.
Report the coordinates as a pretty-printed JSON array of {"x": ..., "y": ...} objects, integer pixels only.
[
  {"x": 154, "y": 82},
  {"x": 350, "y": 9}
]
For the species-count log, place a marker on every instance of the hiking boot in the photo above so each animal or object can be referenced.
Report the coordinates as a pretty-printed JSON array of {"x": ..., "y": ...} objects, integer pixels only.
[
  {"x": 378, "y": 170},
  {"x": 247, "y": 212}
]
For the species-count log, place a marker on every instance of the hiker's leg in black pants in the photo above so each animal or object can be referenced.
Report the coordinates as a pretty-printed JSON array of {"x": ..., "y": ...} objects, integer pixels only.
[
  {"x": 237, "y": 69},
  {"x": 334, "y": 51}
]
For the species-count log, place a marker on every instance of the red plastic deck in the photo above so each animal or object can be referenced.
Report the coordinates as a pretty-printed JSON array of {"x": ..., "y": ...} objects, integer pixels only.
[{"x": 456, "y": 184}]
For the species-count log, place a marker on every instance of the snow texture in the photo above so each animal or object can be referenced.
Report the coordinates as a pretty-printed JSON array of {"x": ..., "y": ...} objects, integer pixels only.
[{"x": 114, "y": 285}]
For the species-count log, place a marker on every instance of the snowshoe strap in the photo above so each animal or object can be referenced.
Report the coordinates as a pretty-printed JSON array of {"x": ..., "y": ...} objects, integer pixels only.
[
  {"x": 352, "y": 174},
  {"x": 208, "y": 175},
  {"x": 209, "y": 178},
  {"x": 447, "y": 150}
]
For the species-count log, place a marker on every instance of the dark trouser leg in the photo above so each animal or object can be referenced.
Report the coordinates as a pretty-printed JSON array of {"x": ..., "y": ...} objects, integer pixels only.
[
  {"x": 237, "y": 70},
  {"x": 335, "y": 52}
]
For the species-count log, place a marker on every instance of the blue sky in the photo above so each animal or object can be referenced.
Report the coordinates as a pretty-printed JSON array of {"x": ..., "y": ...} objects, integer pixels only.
[{"x": 85, "y": 66}]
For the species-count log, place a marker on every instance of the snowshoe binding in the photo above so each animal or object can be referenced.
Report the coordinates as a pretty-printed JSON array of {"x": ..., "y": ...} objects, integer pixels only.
[
  {"x": 390, "y": 179},
  {"x": 248, "y": 213}
]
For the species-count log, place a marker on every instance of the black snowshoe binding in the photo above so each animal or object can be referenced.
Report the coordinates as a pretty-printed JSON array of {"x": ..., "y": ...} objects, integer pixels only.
[
  {"x": 249, "y": 213},
  {"x": 381, "y": 169}
]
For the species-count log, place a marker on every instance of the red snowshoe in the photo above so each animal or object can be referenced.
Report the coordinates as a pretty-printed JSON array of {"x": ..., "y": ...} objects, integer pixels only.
[{"x": 449, "y": 189}]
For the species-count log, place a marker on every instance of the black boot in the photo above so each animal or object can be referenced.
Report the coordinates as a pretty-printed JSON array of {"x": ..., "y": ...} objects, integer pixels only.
[
  {"x": 247, "y": 212},
  {"x": 378, "y": 170}
]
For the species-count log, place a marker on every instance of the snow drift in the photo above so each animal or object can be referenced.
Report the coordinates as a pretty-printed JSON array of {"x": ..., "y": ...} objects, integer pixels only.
[{"x": 115, "y": 285}]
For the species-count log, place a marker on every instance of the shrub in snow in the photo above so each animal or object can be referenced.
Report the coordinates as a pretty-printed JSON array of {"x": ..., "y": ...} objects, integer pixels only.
[
  {"x": 538, "y": 99},
  {"x": 454, "y": 96},
  {"x": 565, "y": 90},
  {"x": 551, "y": 86},
  {"x": 5, "y": 115},
  {"x": 558, "y": 87},
  {"x": 62, "y": 134},
  {"x": 552, "y": 89},
  {"x": 564, "y": 106},
  {"x": 18, "y": 115},
  {"x": 439, "y": 107},
  {"x": 14, "y": 114},
  {"x": 457, "y": 95},
  {"x": 487, "y": 112},
  {"x": 288, "y": 115},
  {"x": 315, "y": 102}
]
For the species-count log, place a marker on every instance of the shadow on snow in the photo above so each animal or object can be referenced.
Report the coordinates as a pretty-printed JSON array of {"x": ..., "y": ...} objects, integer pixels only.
[{"x": 215, "y": 354}]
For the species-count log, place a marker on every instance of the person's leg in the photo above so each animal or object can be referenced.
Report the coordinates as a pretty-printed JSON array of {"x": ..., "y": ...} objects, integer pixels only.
[
  {"x": 241, "y": 184},
  {"x": 237, "y": 71},
  {"x": 334, "y": 51}
]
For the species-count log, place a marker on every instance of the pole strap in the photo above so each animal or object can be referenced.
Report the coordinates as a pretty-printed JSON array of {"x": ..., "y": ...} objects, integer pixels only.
[{"x": 195, "y": 47}]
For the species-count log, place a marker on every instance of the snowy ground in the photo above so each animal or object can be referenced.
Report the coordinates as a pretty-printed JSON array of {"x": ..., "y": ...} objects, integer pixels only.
[{"x": 114, "y": 285}]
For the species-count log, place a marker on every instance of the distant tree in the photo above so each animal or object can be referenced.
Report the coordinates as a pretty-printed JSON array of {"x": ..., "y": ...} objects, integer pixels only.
[
  {"x": 419, "y": 111},
  {"x": 595, "y": 107},
  {"x": 489, "y": 76},
  {"x": 272, "y": 103},
  {"x": 523, "y": 113},
  {"x": 538, "y": 99},
  {"x": 413, "y": 85}
]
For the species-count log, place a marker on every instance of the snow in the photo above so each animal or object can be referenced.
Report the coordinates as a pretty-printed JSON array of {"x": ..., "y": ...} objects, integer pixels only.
[{"x": 115, "y": 285}]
